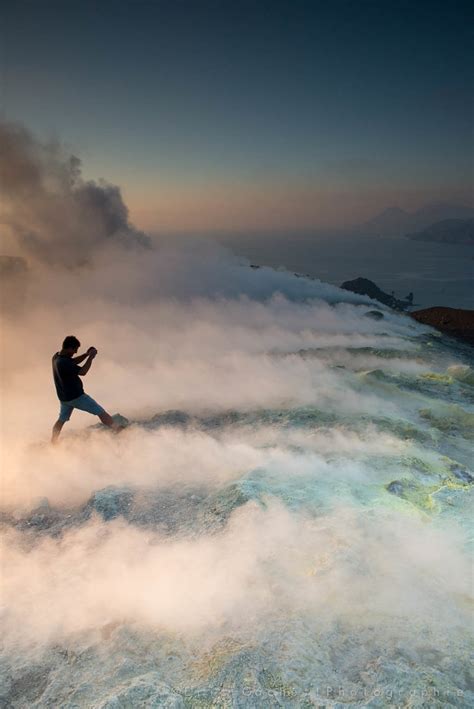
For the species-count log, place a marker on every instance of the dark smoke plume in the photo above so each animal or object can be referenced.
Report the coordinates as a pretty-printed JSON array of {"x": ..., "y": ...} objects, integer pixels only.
[{"x": 53, "y": 214}]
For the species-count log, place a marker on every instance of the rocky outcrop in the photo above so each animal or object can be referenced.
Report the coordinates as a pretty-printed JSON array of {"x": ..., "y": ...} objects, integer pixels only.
[
  {"x": 452, "y": 321},
  {"x": 363, "y": 286},
  {"x": 374, "y": 315}
]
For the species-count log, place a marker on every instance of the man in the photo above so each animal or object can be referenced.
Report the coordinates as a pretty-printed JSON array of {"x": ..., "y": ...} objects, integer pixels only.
[{"x": 66, "y": 373}]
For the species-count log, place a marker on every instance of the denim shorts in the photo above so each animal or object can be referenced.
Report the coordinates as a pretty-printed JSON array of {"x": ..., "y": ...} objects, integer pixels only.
[{"x": 84, "y": 403}]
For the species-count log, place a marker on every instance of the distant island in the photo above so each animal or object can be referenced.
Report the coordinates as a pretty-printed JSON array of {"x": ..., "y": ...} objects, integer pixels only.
[
  {"x": 397, "y": 222},
  {"x": 448, "y": 231}
]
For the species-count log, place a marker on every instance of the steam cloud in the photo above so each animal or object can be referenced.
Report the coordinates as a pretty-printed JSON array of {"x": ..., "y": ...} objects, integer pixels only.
[{"x": 254, "y": 517}]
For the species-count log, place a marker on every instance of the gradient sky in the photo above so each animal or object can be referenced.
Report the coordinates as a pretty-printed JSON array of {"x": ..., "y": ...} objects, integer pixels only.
[{"x": 235, "y": 115}]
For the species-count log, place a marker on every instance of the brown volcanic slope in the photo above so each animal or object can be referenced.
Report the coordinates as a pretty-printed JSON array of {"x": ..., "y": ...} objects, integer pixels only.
[{"x": 452, "y": 321}]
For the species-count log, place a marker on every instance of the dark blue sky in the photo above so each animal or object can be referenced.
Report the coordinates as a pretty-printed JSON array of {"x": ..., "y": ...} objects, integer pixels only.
[{"x": 206, "y": 111}]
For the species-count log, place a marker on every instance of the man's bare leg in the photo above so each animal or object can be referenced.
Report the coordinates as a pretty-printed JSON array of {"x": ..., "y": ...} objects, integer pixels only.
[
  {"x": 107, "y": 420},
  {"x": 57, "y": 430}
]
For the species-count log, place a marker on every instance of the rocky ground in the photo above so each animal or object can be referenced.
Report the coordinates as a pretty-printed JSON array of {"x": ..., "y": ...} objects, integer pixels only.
[{"x": 451, "y": 321}]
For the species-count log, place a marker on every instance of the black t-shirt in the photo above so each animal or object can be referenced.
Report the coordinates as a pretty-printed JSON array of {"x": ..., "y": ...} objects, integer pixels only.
[{"x": 66, "y": 377}]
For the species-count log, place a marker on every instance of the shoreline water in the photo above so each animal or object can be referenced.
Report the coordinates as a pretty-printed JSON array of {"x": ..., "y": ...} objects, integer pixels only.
[{"x": 437, "y": 274}]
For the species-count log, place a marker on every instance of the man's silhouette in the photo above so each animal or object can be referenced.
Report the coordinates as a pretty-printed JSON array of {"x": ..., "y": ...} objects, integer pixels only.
[{"x": 67, "y": 373}]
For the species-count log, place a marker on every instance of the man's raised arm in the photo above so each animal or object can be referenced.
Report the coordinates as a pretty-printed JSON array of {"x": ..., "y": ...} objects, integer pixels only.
[
  {"x": 80, "y": 358},
  {"x": 91, "y": 353}
]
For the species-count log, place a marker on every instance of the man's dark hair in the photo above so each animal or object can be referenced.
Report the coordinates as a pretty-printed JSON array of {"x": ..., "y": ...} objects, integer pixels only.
[{"x": 70, "y": 341}]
